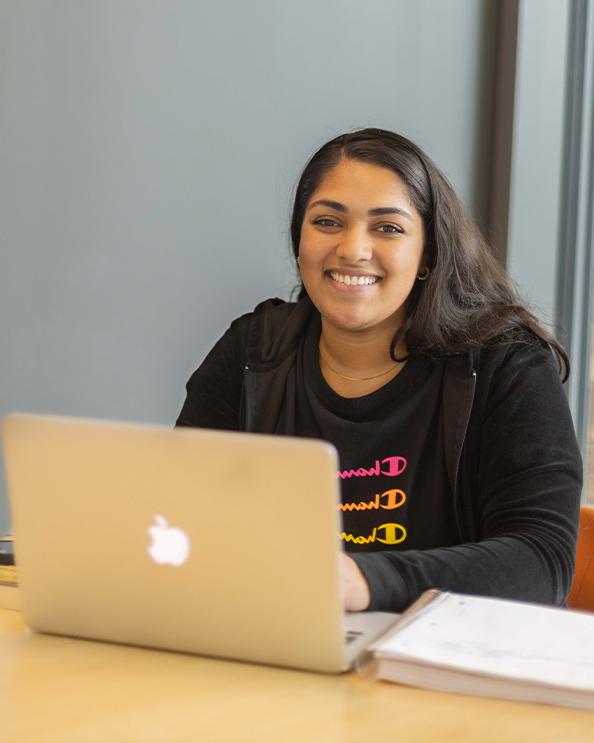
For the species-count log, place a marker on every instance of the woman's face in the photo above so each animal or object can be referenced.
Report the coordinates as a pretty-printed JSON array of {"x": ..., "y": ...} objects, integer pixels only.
[{"x": 361, "y": 247}]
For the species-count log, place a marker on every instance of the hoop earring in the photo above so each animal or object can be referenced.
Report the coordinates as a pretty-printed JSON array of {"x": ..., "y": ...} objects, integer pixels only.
[{"x": 424, "y": 274}]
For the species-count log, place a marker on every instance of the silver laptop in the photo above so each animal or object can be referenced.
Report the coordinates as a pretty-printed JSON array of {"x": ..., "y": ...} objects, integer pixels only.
[{"x": 207, "y": 542}]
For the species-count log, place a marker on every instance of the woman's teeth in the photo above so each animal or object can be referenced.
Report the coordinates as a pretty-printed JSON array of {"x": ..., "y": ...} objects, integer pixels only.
[{"x": 353, "y": 280}]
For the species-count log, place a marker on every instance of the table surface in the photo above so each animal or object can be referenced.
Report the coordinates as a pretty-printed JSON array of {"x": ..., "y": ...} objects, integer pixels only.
[{"x": 61, "y": 689}]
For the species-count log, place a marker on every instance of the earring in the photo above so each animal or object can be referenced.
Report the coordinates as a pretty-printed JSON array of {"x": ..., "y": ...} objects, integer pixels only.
[
  {"x": 297, "y": 260},
  {"x": 424, "y": 274}
]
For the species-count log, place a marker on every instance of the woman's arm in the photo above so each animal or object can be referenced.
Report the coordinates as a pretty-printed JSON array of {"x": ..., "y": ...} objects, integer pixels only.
[
  {"x": 524, "y": 491},
  {"x": 213, "y": 392}
]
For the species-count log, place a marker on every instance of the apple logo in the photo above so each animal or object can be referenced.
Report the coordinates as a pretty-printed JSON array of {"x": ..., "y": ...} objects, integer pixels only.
[{"x": 170, "y": 546}]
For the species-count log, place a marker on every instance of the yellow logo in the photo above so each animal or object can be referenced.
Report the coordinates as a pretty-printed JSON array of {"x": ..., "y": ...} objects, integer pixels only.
[{"x": 386, "y": 534}]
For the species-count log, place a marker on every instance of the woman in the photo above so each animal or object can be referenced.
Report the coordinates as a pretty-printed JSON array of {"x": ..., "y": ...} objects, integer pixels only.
[{"x": 409, "y": 351}]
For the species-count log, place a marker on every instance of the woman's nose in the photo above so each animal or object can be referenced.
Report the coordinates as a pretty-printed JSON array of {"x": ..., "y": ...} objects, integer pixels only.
[{"x": 355, "y": 244}]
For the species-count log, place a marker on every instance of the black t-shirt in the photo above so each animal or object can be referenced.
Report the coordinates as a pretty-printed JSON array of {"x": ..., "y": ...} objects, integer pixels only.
[{"x": 395, "y": 492}]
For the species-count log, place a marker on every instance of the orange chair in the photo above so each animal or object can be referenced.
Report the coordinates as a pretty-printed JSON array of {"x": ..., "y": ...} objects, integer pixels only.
[{"x": 582, "y": 588}]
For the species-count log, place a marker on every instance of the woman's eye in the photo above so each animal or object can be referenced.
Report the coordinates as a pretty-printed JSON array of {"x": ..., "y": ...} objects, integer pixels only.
[
  {"x": 326, "y": 222},
  {"x": 390, "y": 229}
]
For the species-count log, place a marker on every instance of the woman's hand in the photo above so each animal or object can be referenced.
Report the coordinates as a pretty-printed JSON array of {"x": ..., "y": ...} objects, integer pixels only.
[{"x": 355, "y": 590}]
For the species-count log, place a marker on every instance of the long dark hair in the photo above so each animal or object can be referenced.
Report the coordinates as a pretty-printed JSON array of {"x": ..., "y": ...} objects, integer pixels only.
[{"x": 468, "y": 301}]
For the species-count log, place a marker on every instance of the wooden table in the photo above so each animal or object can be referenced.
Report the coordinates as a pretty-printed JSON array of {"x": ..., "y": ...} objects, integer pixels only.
[{"x": 59, "y": 690}]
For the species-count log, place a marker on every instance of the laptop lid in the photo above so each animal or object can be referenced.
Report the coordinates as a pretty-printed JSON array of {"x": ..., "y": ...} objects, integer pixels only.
[{"x": 192, "y": 540}]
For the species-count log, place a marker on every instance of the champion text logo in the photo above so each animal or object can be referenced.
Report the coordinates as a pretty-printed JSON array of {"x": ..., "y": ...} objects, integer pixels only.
[
  {"x": 388, "y": 500},
  {"x": 386, "y": 534},
  {"x": 389, "y": 467}
]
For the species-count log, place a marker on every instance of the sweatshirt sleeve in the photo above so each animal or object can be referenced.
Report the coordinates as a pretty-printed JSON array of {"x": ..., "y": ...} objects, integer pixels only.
[
  {"x": 525, "y": 484},
  {"x": 213, "y": 392}
]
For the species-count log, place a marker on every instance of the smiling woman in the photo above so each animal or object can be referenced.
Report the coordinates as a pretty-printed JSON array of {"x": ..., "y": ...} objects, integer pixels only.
[{"x": 408, "y": 344}]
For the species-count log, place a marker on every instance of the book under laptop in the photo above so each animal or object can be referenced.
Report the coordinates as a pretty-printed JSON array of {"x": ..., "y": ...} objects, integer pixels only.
[{"x": 207, "y": 542}]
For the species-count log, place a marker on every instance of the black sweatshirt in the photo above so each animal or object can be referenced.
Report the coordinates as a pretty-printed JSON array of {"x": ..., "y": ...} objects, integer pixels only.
[{"x": 479, "y": 490}]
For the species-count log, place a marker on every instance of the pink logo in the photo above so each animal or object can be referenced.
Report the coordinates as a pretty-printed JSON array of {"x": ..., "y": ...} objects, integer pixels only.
[{"x": 390, "y": 467}]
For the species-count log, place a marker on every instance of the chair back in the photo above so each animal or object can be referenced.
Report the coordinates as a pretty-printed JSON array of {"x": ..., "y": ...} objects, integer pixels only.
[{"x": 582, "y": 588}]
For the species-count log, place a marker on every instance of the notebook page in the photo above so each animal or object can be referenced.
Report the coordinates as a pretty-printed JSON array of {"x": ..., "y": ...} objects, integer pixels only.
[{"x": 500, "y": 638}]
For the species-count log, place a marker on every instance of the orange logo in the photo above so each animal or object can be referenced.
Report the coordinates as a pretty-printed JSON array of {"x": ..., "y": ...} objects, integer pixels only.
[{"x": 388, "y": 500}]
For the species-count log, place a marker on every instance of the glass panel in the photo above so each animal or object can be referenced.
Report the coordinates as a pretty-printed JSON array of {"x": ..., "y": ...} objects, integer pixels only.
[{"x": 589, "y": 453}]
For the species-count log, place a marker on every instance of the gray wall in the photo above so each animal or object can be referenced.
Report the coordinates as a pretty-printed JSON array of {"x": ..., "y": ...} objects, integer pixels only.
[{"x": 147, "y": 154}]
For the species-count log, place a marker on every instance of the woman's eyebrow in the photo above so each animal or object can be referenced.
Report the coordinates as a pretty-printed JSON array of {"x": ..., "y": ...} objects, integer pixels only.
[
  {"x": 336, "y": 205},
  {"x": 378, "y": 212},
  {"x": 389, "y": 210}
]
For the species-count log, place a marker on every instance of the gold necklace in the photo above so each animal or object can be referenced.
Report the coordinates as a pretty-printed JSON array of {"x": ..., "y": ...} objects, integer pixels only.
[{"x": 356, "y": 379}]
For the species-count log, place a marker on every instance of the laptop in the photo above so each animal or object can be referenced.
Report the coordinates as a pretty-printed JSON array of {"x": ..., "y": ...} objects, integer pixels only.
[{"x": 199, "y": 541}]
